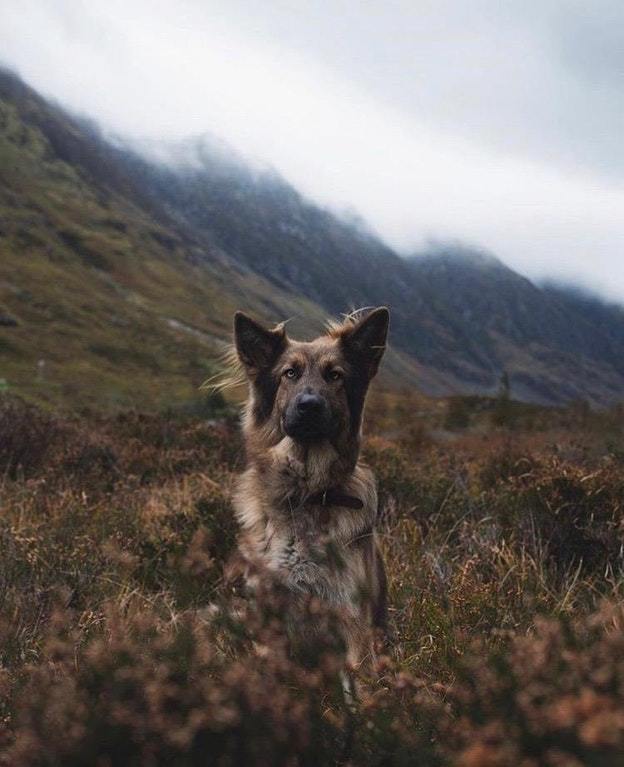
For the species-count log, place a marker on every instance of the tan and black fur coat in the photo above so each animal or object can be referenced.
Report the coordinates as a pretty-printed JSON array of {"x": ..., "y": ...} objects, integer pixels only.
[{"x": 306, "y": 504}]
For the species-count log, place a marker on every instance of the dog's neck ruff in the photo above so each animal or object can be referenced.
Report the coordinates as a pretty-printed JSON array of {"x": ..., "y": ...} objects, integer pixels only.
[{"x": 333, "y": 497}]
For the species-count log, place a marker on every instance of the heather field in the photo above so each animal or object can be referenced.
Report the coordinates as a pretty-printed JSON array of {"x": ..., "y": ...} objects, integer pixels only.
[{"x": 122, "y": 643}]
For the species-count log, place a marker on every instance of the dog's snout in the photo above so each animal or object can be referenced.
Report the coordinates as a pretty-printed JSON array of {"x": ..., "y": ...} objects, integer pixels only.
[
  {"x": 308, "y": 404},
  {"x": 308, "y": 416}
]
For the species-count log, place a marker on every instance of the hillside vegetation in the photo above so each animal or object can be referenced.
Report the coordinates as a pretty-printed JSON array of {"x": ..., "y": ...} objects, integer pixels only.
[{"x": 122, "y": 643}]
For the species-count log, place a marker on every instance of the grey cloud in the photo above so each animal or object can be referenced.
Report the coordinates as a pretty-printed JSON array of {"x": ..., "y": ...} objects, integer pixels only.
[
  {"x": 496, "y": 123},
  {"x": 542, "y": 78}
]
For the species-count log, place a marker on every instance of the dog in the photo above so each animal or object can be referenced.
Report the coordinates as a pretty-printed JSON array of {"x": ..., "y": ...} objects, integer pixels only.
[{"x": 306, "y": 505}]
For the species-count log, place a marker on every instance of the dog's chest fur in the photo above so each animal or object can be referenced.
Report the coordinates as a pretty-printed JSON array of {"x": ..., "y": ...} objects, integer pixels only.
[{"x": 312, "y": 548}]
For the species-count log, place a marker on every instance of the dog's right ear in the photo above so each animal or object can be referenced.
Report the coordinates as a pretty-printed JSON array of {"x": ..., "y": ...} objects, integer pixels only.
[{"x": 257, "y": 347}]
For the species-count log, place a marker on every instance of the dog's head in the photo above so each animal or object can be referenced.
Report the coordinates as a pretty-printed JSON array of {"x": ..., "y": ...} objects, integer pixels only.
[{"x": 311, "y": 390}]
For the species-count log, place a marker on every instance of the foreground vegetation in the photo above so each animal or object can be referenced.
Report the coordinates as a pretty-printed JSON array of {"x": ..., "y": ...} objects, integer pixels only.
[{"x": 121, "y": 643}]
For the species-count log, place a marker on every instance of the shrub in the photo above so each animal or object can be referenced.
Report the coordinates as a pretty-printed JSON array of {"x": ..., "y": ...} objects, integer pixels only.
[
  {"x": 150, "y": 691},
  {"x": 555, "y": 697},
  {"x": 27, "y": 437},
  {"x": 457, "y": 414}
]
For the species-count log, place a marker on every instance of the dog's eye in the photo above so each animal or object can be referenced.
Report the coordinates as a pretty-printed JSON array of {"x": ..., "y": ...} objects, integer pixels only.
[
  {"x": 334, "y": 375},
  {"x": 290, "y": 373}
]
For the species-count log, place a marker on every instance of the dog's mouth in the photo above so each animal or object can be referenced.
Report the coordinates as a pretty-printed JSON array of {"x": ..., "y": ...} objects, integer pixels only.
[{"x": 306, "y": 430}]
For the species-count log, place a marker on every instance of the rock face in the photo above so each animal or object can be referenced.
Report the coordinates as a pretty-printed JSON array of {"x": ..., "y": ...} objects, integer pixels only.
[{"x": 191, "y": 231}]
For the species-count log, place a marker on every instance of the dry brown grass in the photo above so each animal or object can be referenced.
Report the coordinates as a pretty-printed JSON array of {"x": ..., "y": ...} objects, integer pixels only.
[{"x": 121, "y": 644}]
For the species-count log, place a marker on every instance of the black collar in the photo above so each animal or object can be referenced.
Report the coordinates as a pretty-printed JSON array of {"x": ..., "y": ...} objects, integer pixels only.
[{"x": 332, "y": 497}]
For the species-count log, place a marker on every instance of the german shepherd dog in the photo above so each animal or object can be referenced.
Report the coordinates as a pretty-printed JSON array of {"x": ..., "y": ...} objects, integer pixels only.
[{"x": 304, "y": 491}]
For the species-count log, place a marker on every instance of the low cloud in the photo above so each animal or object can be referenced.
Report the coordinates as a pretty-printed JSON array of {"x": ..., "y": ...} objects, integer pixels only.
[{"x": 500, "y": 127}]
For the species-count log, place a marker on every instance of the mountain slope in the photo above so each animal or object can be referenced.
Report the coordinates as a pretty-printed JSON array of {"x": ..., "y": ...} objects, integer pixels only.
[
  {"x": 122, "y": 272},
  {"x": 551, "y": 341},
  {"x": 268, "y": 227},
  {"x": 463, "y": 316},
  {"x": 113, "y": 305}
]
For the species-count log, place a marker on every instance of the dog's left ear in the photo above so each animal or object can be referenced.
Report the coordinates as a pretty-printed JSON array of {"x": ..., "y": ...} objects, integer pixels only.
[{"x": 365, "y": 343}]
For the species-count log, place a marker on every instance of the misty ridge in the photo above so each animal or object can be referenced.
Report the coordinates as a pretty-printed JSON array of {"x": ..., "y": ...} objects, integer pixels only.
[
  {"x": 498, "y": 126},
  {"x": 460, "y": 317}
]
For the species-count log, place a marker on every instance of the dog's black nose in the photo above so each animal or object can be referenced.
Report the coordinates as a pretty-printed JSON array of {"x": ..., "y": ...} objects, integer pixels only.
[
  {"x": 308, "y": 404},
  {"x": 308, "y": 417}
]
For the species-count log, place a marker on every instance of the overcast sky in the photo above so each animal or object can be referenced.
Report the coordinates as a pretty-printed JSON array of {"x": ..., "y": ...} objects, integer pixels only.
[{"x": 496, "y": 122}]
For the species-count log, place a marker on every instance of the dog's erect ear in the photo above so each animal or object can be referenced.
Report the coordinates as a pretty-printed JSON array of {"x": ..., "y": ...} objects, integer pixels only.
[
  {"x": 257, "y": 347},
  {"x": 365, "y": 343}
]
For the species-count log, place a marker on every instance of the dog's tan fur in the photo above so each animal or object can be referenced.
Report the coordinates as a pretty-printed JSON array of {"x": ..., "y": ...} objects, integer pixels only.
[{"x": 282, "y": 533}]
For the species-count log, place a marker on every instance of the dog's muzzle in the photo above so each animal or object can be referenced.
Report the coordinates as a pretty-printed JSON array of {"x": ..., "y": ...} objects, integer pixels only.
[{"x": 308, "y": 418}]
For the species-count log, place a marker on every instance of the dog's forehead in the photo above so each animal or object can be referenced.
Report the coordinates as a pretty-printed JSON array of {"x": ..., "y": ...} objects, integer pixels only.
[{"x": 319, "y": 351}]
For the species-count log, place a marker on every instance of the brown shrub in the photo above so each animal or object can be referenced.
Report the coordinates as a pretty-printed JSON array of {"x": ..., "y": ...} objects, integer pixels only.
[
  {"x": 555, "y": 697},
  {"x": 27, "y": 437},
  {"x": 147, "y": 692},
  {"x": 196, "y": 691}
]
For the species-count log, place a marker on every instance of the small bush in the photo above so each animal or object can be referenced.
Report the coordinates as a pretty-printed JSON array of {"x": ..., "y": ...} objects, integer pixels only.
[
  {"x": 555, "y": 697},
  {"x": 27, "y": 437},
  {"x": 457, "y": 414}
]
